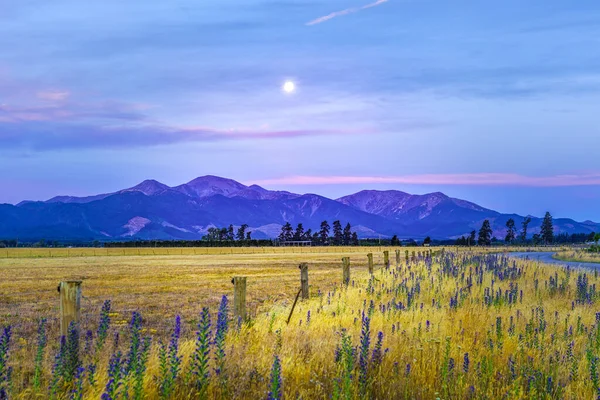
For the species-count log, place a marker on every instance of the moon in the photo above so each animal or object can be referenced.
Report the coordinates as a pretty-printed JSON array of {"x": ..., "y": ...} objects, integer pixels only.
[{"x": 289, "y": 87}]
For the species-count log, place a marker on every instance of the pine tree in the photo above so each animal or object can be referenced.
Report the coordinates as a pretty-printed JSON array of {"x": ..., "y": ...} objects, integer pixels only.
[
  {"x": 395, "y": 241},
  {"x": 547, "y": 231},
  {"x": 338, "y": 236},
  {"x": 510, "y": 231},
  {"x": 485, "y": 234},
  {"x": 241, "y": 233},
  {"x": 324, "y": 232},
  {"x": 347, "y": 235},
  {"x": 471, "y": 240},
  {"x": 230, "y": 235},
  {"x": 524, "y": 225},
  {"x": 287, "y": 233},
  {"x": 427, "y": 240},
  {"x": 354, "y": 239},
  {"x": 299, "y": 234}
]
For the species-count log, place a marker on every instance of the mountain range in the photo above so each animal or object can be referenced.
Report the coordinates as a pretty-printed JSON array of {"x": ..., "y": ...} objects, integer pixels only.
[{"x": 155, "y": 211}]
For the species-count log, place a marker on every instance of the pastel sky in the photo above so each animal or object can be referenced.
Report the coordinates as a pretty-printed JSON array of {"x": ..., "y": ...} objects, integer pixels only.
[{"x": 497, "y": 102}]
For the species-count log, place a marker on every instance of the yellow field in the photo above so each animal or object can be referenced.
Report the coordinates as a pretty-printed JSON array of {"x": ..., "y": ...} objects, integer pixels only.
[
  {"x": 465, "y": 325},
  {"x": 578, "y": 255}
]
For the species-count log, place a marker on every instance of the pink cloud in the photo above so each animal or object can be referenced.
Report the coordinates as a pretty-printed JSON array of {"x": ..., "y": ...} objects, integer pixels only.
[
  {"x": 53, "y": 95},
  {"x": 475, "y": 179}
]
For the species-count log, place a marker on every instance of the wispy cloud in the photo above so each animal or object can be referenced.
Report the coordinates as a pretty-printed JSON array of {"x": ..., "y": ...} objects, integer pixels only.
[
  {"x": 345, "y": 12},
  {"x": 475, "y": 179}
]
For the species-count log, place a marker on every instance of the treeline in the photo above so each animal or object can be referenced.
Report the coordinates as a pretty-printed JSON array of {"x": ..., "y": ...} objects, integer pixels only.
[
  {"x": 192, "y": 243},
  {"x": 546, "y": 236},
  {"x": 341, "y": 236}
]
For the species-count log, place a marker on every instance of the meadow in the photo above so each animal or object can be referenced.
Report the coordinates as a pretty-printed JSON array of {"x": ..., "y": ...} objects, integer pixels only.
[
  {"x": 578, "y": 255},
  {"x": 448, "y": 324}
]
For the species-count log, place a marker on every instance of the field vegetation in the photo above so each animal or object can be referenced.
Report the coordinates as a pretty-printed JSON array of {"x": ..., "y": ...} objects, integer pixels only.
[{"x": 443, "y": 324}]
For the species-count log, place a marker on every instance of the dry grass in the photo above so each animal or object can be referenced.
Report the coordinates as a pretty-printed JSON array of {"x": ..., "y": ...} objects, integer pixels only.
[
  {"x": 578, "y": 256},
  {"x": 425, "y": 334}
]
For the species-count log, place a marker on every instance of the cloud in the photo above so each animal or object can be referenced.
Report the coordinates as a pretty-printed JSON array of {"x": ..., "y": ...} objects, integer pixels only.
[
  {"x": 53, "y": 95},
  {"x": 345, "y": 12},
  {"x": 474, "y": 179},
  {"x": 38, "y": 134}
]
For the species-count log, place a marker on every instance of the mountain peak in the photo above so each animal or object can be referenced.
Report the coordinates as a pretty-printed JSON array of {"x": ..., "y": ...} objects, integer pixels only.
[
  {"x": 149, "y": 187},
  {"x": 209, "y": 185}
]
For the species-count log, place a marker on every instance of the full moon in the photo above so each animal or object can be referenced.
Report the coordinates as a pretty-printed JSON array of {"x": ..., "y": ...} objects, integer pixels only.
[{"x": 289, "y": 87}]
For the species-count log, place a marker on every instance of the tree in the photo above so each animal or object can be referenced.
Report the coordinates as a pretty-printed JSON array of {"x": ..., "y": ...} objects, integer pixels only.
[
  {"x": 299, "y": 234},
  {"x": 222, "y": 234},
  {"x": 338, "y": 236},
  {"x": 395, "y": 241},
  {"x": 287, "y": 233},
  {"x": 536, "y": 239},
  {"x": 471, "y": 239},
  {"x": 354, "y": 239},
  {"x": 230, "y": 235},
  {"x": 427, "y": 240},
  {"x": 347, "y": 235},
  {"x": 324, "y": 232},
  {"x": 510, "y": 231},
  {"x": 485, "y": 234},
  {"x": 308, "y": 234},
  {"x": 524, "y": 225},
  {"x": 597, "y": 238},
  {"x": 547, "y": 231},
  {"x": 249, "y": 235},
  {"x": 241, "y": 233}
]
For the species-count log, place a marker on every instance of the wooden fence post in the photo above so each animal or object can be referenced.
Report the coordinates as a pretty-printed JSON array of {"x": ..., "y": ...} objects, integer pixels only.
[
  {"x": 386, "y": 258},
  {"x": 70, "y": 304},
  {"x": 346, "y": 272},
  {"x": 397, "y": 257},
  {"x": 406, "y": 253},
  {"x": 370, "y": 257},
  {"x": 239, "y": 297},
  {"x": 304, "y": 280}
]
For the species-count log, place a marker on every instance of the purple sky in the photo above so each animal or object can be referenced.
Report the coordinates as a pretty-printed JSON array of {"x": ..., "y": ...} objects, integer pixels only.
[{"x": 494, "y": 102}]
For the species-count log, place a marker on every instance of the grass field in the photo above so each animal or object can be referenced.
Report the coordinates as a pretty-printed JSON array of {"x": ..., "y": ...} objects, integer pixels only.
[
  {"x": 466, "y": 325},
  {"x": 578, "y": 256}
]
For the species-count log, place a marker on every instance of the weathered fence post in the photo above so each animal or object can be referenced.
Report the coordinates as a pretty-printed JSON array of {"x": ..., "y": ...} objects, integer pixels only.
[
  {"x": 70, "y": 304},
  {"x": 346, "y": 272},
  {"x": 370, "y": 257},
  {"x": 406, "y": 253},
  {"x": 397, "y": 257},
  {"x": 304, "y": 280},
  {"x": 239, "y": 297},
  {"x": 414, "y": 256},
  {"x": 386, "y": 259}
]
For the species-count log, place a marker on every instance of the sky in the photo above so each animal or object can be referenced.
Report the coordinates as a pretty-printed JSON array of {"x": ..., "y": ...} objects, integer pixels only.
[{"x": 492, "y": 102}]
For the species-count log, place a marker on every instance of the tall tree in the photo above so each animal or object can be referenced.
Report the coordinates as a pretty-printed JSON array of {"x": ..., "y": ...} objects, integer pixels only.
[
  {"x": 471, "y": 239},
  {"x": 485, "y": 234},
  {"x": 299, "y": 234},
  {"x": 338, "y": 236},
  {"x": 427, "y": 240},
  {"x": 347, "y": 235},
  {"x": 524, "y": 225},
  {"x": 354, "y": 239},
  {"x": 308, "y": 234},
  {"x": 510, "y": 231},
  {"x": 249, "y": 235},
  {"x": 395, "y": 241},
  {"x": 230, "y": 235},
  {"x": 547, "y": 231},
  {"x": 287, "y": 233},
  {"x": 324, "y": 232},
  {"x": 241, "y": 233}
]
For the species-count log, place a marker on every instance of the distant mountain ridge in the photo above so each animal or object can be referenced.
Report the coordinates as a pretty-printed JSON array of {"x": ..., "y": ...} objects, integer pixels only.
[{"x": 153, "y": 210}]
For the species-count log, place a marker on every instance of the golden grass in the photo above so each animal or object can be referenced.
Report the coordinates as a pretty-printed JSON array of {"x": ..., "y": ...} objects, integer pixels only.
[
  {"x": 578, "y": 255},
  {"x": 546, "y": 321}
]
